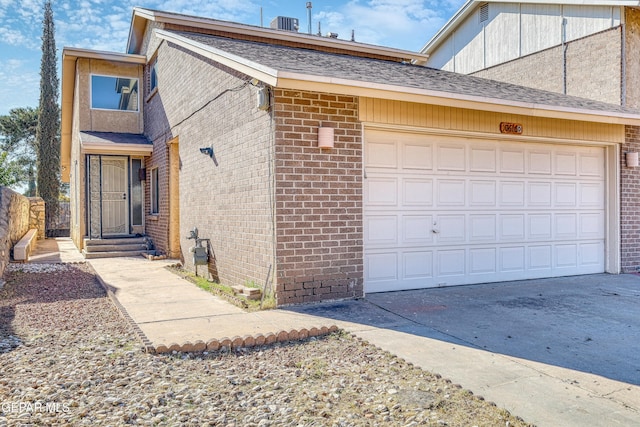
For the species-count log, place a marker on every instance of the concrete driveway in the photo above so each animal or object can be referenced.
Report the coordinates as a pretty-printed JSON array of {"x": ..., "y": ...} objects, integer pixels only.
[{"x": 562, "y": 351}]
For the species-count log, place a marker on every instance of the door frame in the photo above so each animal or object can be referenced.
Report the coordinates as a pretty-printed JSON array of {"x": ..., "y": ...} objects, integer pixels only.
[{"x": 96, "y": 190}]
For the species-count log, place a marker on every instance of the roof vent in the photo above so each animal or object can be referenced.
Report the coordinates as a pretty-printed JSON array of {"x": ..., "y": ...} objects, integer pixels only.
[
  {"x": 285, "y": 23},
  {"x": 484, "y": 12}
]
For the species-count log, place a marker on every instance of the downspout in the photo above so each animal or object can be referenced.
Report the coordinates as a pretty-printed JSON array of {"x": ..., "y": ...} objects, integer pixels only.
[
  {"x": 564, "y": 53},
  {"x": 623, "y": 58}
]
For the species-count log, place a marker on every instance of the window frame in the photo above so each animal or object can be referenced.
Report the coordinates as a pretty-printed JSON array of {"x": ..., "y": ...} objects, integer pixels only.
[
  {"x": 92, "y": 75},
  {"x": 154, "y": 193}
]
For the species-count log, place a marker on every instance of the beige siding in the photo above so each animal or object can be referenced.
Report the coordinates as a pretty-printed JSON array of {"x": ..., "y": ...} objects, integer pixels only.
[
  {"x": 457, "y": 119},
  {"x": 514, "y": 30},
  {"x": 101, "y": 120},
  {"x": 632, "y": 64}
]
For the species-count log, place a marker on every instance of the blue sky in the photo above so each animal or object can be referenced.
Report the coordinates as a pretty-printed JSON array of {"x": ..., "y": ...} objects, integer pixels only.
[{"x": 104, "y": 25}]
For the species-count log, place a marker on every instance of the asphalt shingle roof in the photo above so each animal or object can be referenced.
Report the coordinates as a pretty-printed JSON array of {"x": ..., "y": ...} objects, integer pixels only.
[
  {"x": 113, "y": 138},
  {"x": 325, "y": 64}
]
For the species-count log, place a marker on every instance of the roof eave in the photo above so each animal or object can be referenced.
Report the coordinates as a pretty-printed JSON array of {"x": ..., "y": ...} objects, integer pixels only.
[
  {"x": 137, "y": 31},
  {"x": 376, "y": 90}
]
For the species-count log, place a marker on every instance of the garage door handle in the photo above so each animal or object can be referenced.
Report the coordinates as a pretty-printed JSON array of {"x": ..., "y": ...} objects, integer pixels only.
[{"x": 434, "y": 231}]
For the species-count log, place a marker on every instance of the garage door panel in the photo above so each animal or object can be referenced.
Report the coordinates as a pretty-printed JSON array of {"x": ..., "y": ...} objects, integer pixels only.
[
  {"x": 381, "y": 230},
  {"x": 591, "y": 195},
  {"x": 566, "y": 226},
  {"x": 381, "y": 267},
  {"x": 451, "y": 192},
  {"x": 451, "y": 157},
  {"x": 591, "y": 225},
  {"x": 417, "y": 156},
  {"x": 512, "y": 259},
  {"x": 512, "y": 160},
  {"x": 539, "y": 258},
  {"x": 540, "y": 226},
  {"x": 381, "y": 191},
  {"x": 482, "y": 228},
  {"x": 566, "y": 256},
  {"x": 590, "y": 258},
  {"x": 512, "y": 227},
  {"x": 591, "y": 164},
  {"x": 539, "y": 162},
  {"x": 382, "y": 155},
  {"x": 539, "y": 194},
  {"x": 450, "y": 229},
  {"x": 512, "y": 193},
  {"x": 566, "y": 164},
  {"x": 482, "y": 193},
  {"x": 483, "y": 159},
  {"x": 451, "y": 263},
  {"x": 417, "y": 192},
  {"x": 482, "y": 261},
  {"x": 417, "y": 229},
  {"x": 566, "y": 194},
  {"x": 418, "y": 265},
  {"x": 442, "y": 211}
]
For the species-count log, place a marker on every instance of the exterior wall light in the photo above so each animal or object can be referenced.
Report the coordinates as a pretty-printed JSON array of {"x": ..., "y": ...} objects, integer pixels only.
[
  {"x": 325, "y": 137},
  {"x": 631, "y": 159},
  {"x": 209, "y": 152}
]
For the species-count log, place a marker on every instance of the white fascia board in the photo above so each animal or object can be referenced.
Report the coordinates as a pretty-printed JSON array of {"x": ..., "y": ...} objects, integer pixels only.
[
  {"x": 73, "y": 52},
  {"x": 470, "y": 5},
  {"x": 243, "y": 65},
  {"x": 110, "y": 147},
  {"x": 378, "y": 90}
]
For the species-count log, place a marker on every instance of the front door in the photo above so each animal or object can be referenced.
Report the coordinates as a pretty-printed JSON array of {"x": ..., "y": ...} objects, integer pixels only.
[{"x": 115, "y": 206}]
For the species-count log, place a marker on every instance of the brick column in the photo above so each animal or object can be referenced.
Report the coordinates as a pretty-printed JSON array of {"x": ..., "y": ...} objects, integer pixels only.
[{"x": 630, "y": 204}]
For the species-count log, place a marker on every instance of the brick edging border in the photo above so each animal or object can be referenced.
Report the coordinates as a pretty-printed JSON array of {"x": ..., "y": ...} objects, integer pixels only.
[{"x": 236, "y": 342}]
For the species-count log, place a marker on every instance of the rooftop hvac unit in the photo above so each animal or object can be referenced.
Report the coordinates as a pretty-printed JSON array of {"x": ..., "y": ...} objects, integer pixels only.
[{"x": 285, "y": 23}]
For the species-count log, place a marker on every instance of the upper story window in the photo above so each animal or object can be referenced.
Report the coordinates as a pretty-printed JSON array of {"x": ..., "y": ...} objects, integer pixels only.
[
  {"x": 114, "y": 93},
  {"x": 153, "y": 75}
]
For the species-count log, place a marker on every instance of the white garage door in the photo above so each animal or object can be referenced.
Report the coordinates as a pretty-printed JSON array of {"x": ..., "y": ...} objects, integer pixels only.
[{"x": 442, "y": 211}]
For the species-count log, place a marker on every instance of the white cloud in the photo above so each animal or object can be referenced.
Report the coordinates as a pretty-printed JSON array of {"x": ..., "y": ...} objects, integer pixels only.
[{"x": 394, "y": 23}]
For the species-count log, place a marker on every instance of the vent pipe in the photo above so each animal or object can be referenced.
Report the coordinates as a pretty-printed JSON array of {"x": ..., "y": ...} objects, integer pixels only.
[{"x": 309, "y": 7}]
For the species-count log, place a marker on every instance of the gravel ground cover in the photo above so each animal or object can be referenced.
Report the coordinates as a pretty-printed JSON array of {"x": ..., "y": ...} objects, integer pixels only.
[{"x": 68, "y": 358}]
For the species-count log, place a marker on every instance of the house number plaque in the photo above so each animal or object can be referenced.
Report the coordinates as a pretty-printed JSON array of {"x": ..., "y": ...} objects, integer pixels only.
[{"x": 513, "y": 128}]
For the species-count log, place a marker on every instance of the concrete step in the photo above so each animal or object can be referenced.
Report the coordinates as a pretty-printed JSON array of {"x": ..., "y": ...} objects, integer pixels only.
[
  {"x": 116, "y": 248},
  {"x": 112, "y": 254},
  {"x": 118, "y": 241}
]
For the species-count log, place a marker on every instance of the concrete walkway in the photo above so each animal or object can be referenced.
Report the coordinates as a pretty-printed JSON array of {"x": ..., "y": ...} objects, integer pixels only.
[
  {"x": 174, "y": 314},
  {"x": 171, "y": 313}
]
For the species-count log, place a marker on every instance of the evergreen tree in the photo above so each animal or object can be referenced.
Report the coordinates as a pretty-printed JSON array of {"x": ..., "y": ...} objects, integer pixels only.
[{"x": 47, "y": 135}]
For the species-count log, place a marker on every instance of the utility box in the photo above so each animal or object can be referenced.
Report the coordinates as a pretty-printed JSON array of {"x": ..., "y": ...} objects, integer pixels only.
[{"x": 200, "y": 255}]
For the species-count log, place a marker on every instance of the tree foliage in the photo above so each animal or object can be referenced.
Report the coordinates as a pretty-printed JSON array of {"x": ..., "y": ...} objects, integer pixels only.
[
  {"x": 48, "y": 129},
  {"x": 9, "y": 170},
  {"x": 18, "y": 140}
]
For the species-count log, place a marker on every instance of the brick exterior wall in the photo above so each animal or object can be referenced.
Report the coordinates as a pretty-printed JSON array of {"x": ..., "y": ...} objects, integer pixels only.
[
  {"x": 318, "y": 198},
  {"x": 205, "y": 104},
  {"x": 593, "y": 66},
  {"x": 630, "y": 205}
]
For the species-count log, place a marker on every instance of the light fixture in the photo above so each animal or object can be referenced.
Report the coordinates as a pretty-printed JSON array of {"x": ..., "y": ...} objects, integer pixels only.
[
  {"x": 325, "y": 137},
  {"x": 209, "y": 152},
  {"x": 632, "y": 160}
]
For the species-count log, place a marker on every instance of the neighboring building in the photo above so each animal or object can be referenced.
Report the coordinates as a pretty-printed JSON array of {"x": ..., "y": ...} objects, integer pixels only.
[
  {"x": 434, "y": 178},
  {"x": 582, "y": 48}
]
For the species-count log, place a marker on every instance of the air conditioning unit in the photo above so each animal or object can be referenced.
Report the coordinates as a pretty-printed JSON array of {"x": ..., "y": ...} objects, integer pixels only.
[{"x": 285, "y": 23}]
